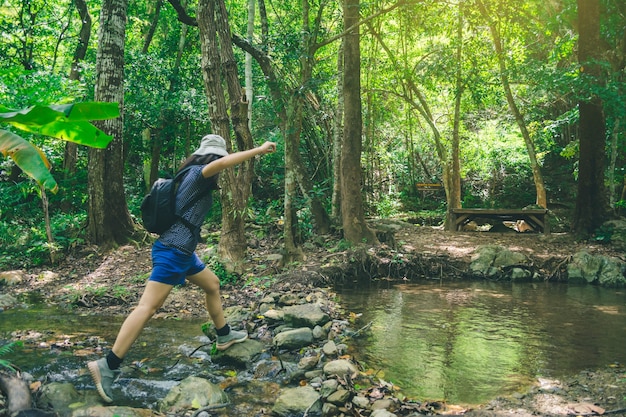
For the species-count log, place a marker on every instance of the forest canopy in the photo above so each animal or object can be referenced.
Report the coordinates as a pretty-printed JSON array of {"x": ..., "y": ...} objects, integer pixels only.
[{"x": 490, "y": 99}]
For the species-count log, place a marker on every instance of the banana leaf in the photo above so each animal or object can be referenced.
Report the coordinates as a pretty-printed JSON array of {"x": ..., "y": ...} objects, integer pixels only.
[
  {"x": 29, "y": 158},
  {"x": 70, "y": 122}
]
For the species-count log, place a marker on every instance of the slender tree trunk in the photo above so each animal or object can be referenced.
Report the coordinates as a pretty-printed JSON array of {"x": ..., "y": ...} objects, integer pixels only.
[
  {"x": 159, "y": 135},
  {"x": 153, "y": 26},
  {"x": 337, "y": 139},
  {"x": 109, "y": 219},
  {"x": 290, "y": 112},
  {"x": 264, "y": 23},
  {"x": 355, "y": 228},
  {"x": 248, "y": 68},
  {"x": 613, "y": 163},
  {"x": 591, "y": 202},
  {"x": 519, "y": 118},
  {"x": 71, "y": 149},
  {"x": 454, "y": 194}
]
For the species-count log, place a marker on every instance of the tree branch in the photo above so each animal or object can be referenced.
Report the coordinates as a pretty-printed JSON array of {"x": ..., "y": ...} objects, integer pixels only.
[{"x": 182, "y": 13}]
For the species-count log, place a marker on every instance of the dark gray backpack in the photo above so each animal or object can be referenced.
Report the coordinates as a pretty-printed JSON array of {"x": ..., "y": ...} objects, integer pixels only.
[{"x": 158, "y": 208}]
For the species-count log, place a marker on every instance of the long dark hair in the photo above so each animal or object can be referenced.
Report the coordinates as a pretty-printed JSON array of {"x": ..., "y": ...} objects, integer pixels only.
[{"x": 202, "y": 160}]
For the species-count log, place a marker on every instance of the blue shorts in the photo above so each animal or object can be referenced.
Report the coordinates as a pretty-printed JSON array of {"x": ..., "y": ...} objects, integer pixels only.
[{"x": 171, "y": 266}]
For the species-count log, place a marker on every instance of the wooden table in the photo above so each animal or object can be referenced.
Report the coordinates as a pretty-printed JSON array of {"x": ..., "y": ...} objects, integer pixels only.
[{"x": 537, "y": 218}]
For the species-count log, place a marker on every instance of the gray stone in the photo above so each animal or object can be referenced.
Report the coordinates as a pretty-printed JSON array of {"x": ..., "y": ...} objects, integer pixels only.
[
  {"x": 604, "y": 270},
  {"x": 583, "y": 268},
  {"x": 59, "y": 396},
  {"x": 239, "y": 354},
  {"x": 192, "y": 393},
  {"x": 612, "y": 273},
  {"x": 383, "y": 404},
  {"x": 110, "y": 411},
  {"x": 328, "y": 387},
  {"x": 288, "y": 299},
  {"x": 493, "y": 260},
  {"x": 298, "y": 401},
  {"x": 339, "y": 397},
  {"x": 309, "y": 315},
  {"x": 382, "y": 413},
  {"x": 330, "y": 410},
  {"x": 274, "y": 315},
  {"x": 330, "y": 349},
  {"x": 505, "y": 258},
  {"x": 341, "y": 368},
  {"x": 294, "y": 339},
  {"x": 520, "y": 274},
  {"x": 308, "y": 362},
  {"x": 7, "y": 301},
  {"x": 319, "y": 333},
  {"x": 361, "y": 402}
]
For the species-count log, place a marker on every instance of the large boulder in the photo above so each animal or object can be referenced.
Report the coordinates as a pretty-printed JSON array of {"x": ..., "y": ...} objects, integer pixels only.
[
  {"x": 596, "y": 269},
  {"x": 493, "y": 261}
]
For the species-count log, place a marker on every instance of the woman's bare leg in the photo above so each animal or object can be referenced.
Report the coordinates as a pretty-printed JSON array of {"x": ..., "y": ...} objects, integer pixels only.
[
  {"x": 210, "y": 284},
  {"x": 152, "y": 299}
]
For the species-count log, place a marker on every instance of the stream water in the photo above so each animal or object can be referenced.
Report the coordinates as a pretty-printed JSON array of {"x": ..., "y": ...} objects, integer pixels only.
[{"x": 465, "y": 343}]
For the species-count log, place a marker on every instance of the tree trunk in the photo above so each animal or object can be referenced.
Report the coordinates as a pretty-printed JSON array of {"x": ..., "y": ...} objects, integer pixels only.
[
  {"x": 71, "y": 149},
  {"x": 153, "y": 26},
  {"x": 291, "y": 118},
  {"x": 454, "y": 192},
  {"x": 159, "y": 135},
  {"x": 337, "y": 139},
  {"x": 591, "y": 202},
  {"x": 613, "y": 163},
  {"x": 355, "y": 228},
  {"x": 218, "y": 59},
  {"x": 248, "y": 68},
  {"x": 109, "y": 219},
  {"x": 519, "y": 118}
]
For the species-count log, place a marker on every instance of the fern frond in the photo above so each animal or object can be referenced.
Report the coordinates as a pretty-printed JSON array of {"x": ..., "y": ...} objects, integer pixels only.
[{"x": 8, "y": 348}]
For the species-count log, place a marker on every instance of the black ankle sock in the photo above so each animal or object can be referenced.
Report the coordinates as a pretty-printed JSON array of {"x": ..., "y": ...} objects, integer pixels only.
[
  {"x": 223, "y": 331},
  {"x": 113, "y": 361}
]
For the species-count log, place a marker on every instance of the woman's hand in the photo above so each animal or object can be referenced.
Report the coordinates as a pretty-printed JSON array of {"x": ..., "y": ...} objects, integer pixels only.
[{"x": 267, "y": 147}]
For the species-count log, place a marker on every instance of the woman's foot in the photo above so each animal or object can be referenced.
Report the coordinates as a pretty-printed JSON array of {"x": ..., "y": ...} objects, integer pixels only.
[
  {"x": 103, "y": 377},
  {"x": 234, "y": 336}
]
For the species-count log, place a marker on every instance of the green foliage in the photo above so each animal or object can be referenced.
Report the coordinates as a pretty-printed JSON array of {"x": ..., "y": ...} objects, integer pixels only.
[
  {"x": 75, "y": 296},
  {"x": 498, "y": 172},
  {"x": 23, "y": 240},
  {"x": 219, "y": 269},
  {"x": 5, "y": 350},
  {"x": 388, "y": 206},
  {"x": 262, "y": 281},
  {"x": 604, "y": 233}
]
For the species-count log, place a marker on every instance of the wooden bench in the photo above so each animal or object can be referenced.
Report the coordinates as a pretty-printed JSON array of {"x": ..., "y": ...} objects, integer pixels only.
[
  {"x": 423, "y": 186},
  {"x": 537, "y": 218}
]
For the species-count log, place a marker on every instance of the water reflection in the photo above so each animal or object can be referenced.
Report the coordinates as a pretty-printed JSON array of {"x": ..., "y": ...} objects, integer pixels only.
[{"x": 470, "y": 342}]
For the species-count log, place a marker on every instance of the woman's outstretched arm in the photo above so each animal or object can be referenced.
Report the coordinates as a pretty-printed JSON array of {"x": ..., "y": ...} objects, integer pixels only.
[{"x": 236, "y": 158}]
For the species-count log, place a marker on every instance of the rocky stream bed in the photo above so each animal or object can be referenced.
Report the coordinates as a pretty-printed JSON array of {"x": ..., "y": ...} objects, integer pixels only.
[{"x": 298, "y": 355}]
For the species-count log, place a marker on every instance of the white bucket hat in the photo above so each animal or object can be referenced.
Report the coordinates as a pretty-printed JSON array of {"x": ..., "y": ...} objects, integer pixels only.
[{"x": 212, "y": 144}]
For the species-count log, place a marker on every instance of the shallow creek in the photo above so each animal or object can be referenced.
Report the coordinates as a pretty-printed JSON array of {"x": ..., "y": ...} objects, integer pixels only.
[{"x": 465, "y": 343}]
